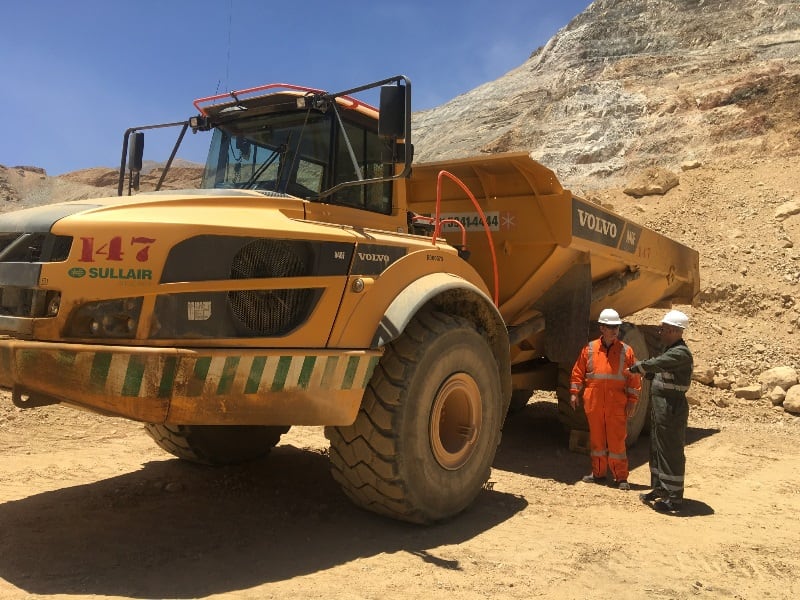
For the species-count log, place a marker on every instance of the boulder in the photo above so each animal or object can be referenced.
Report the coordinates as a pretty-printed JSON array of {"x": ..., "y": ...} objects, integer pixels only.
[
  {"x": 777, "y": 395},
  {"x": 791, "y": 403},
  {"x": 654, "y": 181},
  {"x": 703, "y": 374},
  {"x": 750, "y": 392},
  {"x": 692, "y": 400},
  {"x": 783, "y": 377},
  {"x": 787, "y": 209},
  {"x": 722, "y": 382}
]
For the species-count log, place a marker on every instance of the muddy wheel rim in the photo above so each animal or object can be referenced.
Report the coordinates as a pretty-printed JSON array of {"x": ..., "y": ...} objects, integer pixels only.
[{"x": 455, "y": 421}]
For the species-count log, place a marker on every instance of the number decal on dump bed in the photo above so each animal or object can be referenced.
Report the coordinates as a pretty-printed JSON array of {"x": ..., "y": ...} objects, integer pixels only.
[
  {"x": 472, "y": 221},
  {"x": 592, "y": 223}
]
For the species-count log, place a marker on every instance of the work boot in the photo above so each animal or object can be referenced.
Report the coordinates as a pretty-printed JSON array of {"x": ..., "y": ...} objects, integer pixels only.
[
  {"x": 650, "y": 496},
  {"x": 623, "y": 485},
  {"x": 667, "y": 506},
  {"x": 592, "y": 479}
]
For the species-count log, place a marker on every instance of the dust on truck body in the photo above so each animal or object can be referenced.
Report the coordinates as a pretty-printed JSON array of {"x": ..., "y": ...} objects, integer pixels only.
[{"x": 318, "y": 279}]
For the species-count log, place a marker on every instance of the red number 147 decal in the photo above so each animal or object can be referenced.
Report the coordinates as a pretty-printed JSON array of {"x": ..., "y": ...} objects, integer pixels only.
[{"x": 113, "y": 249}]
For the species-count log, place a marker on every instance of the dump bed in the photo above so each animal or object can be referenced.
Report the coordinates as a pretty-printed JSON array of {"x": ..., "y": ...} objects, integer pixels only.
[{"x": 547, "y": 241}]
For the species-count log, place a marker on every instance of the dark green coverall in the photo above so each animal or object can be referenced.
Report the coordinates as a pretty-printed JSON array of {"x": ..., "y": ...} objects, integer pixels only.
[{"x": 669, "y": 413}]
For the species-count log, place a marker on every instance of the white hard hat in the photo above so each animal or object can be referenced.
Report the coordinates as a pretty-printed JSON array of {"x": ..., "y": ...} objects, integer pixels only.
[
  {"x": 608, "y": 316},
  {"x": 676, "y": 318}
]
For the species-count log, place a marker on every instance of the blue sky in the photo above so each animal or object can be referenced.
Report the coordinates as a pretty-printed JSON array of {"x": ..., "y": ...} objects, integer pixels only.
[{"x": 77, "y": 74}]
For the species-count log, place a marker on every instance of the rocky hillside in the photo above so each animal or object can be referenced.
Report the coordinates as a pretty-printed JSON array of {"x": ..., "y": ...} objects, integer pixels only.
[
  {"x": 630, "y": 84},
  {"x": 25, "y": 186},
  {"x": 707, "y": 93}
]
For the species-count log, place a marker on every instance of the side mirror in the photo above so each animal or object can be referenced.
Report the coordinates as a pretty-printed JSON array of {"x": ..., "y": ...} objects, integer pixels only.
[
  {"x": 392, "y": 117},
  {"x": 136, "y": 151}
]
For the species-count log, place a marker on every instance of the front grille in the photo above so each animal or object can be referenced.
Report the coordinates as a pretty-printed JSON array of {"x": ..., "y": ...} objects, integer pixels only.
[{"x": 278, "y": 311}]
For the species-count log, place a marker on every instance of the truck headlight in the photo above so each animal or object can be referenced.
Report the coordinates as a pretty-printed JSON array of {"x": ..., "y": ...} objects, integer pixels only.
[
  {"x": 105, "y": 319},
  {"x": 53, "y": 304}
]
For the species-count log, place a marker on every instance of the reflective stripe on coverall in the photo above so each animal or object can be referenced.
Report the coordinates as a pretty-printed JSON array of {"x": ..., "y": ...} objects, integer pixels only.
[
  {"x": 606, "y": 395},
  {"x": 669, "y": 418}
]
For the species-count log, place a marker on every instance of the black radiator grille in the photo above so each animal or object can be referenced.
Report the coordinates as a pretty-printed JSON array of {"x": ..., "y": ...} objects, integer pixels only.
[{"x": 275, "y": 311}]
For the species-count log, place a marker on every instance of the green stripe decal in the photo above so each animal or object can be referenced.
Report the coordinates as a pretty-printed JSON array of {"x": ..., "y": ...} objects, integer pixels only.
[
  {"x": 256, "y": 371},
  {"x": 99, "y": 373},
  {"x": 133, "y": 376},
  {"x": 198, "y": 379},
  {"x": 284, "y": 362},
  {"x": 330, "y": 369},
  {"x": 67, "y": 357},
  {"x": 228, "y": 373},
  {"x": 306, "y": 371},
  {"x": 5, "y": 353},
  {"x": 373, "y": 362},
  {"x": 168, "y": 377},
  {"x": 350, "y": 373}
]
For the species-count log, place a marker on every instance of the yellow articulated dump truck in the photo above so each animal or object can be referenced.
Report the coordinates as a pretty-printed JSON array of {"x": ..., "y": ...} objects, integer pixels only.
[{"x": 317, "y": 278}]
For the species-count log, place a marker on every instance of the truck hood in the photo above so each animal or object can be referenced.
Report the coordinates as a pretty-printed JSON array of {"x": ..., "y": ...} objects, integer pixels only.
[{"x": 176, "y": 206}]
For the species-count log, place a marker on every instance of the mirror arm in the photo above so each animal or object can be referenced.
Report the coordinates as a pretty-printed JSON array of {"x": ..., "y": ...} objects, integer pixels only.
[{"x": 172, "y": 155}]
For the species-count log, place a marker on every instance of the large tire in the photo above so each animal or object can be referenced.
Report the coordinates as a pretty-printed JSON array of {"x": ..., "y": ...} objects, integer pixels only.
[
  {"x": 422, "y": 445},
  {"x": 633, "y": 336},
  {"x": 216, "y": 444}
]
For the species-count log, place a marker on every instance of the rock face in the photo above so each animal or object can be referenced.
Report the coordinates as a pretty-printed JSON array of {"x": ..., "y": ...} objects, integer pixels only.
[
  {"x": 631, "y": 84},
  {"x": 22, "y": 187}
]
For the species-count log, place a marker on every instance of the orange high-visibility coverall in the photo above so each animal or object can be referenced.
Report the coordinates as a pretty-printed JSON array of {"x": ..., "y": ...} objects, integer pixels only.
[{"x": 606, "y": 394}]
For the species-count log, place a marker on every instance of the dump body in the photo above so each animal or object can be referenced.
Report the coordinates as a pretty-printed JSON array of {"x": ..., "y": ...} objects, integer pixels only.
[{"x": 558, "y": 256}]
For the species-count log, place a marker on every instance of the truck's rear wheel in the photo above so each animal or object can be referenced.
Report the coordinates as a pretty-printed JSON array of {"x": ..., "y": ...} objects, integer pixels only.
[
  {"x": 423, "y": 442},
  {"x": 216, "y": 444},
  {"x": 633, "y": 336}
]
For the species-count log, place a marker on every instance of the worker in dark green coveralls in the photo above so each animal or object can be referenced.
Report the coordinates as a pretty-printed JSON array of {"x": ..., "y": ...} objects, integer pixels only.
[{"x": 670, "y": 374}]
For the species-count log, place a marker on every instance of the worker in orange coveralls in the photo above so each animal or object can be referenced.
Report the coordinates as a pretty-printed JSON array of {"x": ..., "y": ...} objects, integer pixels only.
[{"x": 609, "y": 398}]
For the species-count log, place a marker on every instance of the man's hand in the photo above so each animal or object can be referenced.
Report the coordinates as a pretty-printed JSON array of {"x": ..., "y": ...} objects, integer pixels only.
[
  {"x": 573, "y": 401},
  {"x": 633, "y": 369},
  {"x": 630, "y": 408}
]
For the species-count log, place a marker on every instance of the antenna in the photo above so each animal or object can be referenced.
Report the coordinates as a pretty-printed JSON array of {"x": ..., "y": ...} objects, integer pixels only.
[{"x": 228, "y": 59}]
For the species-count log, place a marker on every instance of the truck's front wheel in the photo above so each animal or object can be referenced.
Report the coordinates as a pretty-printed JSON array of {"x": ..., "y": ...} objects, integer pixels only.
[
  {"x": 216, "y": 444},
  {"x": 423, "y": 442}
]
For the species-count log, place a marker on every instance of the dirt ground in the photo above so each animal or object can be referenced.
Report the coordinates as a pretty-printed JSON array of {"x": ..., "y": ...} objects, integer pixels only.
[{"x": 90, "y": 507}]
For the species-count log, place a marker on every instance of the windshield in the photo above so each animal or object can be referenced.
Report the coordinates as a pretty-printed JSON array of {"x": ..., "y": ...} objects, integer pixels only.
[
  {"x": 271, "y": 153},
  {"x": 301, "y": 153}
]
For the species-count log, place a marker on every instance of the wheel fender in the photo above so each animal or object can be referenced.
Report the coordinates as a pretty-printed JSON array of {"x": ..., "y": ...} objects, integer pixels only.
[
  {"x": 416, "y": 295},
  {"x": 457, "y": 296}
]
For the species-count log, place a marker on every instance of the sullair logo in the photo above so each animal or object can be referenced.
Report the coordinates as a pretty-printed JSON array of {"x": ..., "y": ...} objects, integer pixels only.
[
  {"x": 109, "y": 273},
  {"x": 76, "y": 272}
]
